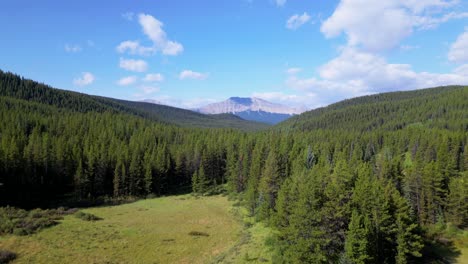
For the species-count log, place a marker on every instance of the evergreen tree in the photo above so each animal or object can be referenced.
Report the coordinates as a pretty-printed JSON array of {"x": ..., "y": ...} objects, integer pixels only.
[{"x": 357, "y": 239}]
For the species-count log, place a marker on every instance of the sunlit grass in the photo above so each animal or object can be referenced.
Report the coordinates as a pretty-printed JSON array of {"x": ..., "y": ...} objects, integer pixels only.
[{"x": 147, "y": 231}]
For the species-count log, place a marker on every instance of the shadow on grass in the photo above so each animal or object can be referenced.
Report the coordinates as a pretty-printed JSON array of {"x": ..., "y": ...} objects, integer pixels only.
[{"x": 441, "y": 251}]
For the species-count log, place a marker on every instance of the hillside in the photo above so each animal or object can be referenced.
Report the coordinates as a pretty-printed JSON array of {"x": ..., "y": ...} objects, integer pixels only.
[
  {"x": 14, "y": 86},
  {"x": 441, "y": 107},
  {"x": 309, "y": 180}
]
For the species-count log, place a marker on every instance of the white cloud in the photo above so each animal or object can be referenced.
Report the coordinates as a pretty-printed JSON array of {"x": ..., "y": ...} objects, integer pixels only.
[
  {"x": 280, "y": 2},
  {"x": 154, "y": 77},
  {"x": 147, "y": 89},
  {"x": 355, "y": 73},
  {"x": 188, "y": 74},
  {"x": 192, "y": 103},
  {"x": 408, "y": 47},
  {"x": 72, "y": 48},
  {"x": 293, "y": 71},
  {"x": 134, "y": 48},
  {"x": 152, "y": 28},
  {"x": 381, "y": 25},
  {"x": 295, "y": 21},
  {"x": 133, "y": 65},
  {"x": 127, "y": 80},
  {"x": 459, "y": 49},
  {"x": 128, "y": 16},
  {"x": 86, "y": 78},
  {"x": 290, "y": 100},
  {"x": 428, "y": 22},
  {"x": 172, "y": 48}
]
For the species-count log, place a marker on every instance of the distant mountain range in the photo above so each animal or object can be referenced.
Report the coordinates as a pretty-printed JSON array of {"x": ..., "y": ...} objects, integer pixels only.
[{"x": 253, "y": 109}]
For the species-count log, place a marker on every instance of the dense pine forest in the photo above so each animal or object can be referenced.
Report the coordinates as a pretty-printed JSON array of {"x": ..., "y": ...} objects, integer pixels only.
[{"x": 360, "y": 181}]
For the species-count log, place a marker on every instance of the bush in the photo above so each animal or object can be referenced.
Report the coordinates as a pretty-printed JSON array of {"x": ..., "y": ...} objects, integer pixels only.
[
  {"x": 87, "y": 217},
  {"x": 21, "y": 222},
  {"x": 6, "y": 256},
  {"x": 198, "y": 233}
]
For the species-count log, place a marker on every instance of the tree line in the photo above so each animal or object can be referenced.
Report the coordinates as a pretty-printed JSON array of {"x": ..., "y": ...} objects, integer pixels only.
[{"x": 333, "y": 194}]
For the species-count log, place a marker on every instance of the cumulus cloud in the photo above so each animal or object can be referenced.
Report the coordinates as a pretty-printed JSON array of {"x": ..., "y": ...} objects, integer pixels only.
[
  {"x": 86, "y": 78},
  {"x": 127, "y": 80},
  {"x": 459, "y": 49},
  {"x": 153, "y": 29},
  {"x": 133, "y": 65},
  {"x": 154, "y": 77},
  {"x": 72, "y": 48},
  {"x": 134, "y": 48},
  {"x": 188, "y": 74},
  {"x": 355, "y": 73},
  {"x": 364, "y": 21},
  {"x": 296, "y": 21}
]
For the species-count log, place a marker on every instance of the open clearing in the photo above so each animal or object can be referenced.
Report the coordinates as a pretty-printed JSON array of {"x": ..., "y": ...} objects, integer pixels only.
[{"x": 147, "y": 231}]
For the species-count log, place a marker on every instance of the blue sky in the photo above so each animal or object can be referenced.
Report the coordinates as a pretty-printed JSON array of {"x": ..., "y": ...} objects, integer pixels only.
[{"x": 189, "y": 53}]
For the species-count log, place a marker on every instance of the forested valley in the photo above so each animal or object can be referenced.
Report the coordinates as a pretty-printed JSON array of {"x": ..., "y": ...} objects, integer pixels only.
[{"x": 366, "y": 180}]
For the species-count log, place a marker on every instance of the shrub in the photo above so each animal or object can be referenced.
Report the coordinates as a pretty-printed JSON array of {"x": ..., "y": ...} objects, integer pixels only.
[
  {"x": 6, "y": 256},
  {"x": 198, "y": 233},
  {"x": 21, "y": 222},
  {"x": 86, "y": 216}
]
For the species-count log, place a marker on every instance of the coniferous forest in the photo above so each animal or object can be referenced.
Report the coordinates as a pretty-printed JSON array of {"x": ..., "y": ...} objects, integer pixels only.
[{"x": 360, "y": 181}]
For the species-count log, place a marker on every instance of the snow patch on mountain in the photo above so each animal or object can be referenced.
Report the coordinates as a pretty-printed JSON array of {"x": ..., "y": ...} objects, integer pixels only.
[{"x": 236, "y": 105}]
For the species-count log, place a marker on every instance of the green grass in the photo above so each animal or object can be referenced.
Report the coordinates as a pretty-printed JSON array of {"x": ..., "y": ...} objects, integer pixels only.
[
  {"x": 148, "y": 231},
  {"x": 446, "y": 244},
  {"x": 251, "y": 247}
]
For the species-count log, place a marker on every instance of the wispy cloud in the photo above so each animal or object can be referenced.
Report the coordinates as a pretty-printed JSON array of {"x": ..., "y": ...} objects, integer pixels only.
[
  {"x": 154, "y": 77},
  {"x": 296, "y": 21},
  {"x": 188, "y": 74},
  {"x": 86, "y": 78},
  {"x": 128, "y": 16},
  {"x": 127, "y": 80},
  {"x": 72, "y": 48},
  {"x": 280, "y": 2},
  {"x": 148, "y": 89},
  {"x": 293, "y": 70}
]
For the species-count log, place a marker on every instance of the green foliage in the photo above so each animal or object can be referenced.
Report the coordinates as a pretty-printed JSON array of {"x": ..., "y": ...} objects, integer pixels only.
[
  {"x": 357, "y": 239},
  {"x": 442, "y": 107},
  {"x": 356, "y": 181},
  {"x": 200, "y": 183},
  {"x": 87, "y": 216},
  {"x": 14, "y": 86},
  {"x": 21, "y": 222},
  {"x": 457, "y": 201}
]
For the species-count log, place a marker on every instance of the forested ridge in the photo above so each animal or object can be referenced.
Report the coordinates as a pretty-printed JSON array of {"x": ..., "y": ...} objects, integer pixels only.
[
  {"x": 443, "y": 107},
  {"x": 12, "y": 85},
  {"x": 361, "y": 181}
]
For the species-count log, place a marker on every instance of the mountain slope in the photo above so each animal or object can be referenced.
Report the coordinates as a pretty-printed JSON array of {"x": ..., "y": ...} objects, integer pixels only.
[
  {"x": 254, "y": 109},
  {"x": 14, "y": 86},
  {"x": 443, "y": 107}
]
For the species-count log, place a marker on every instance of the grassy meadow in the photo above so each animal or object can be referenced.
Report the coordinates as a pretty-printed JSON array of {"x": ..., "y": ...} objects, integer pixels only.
[{"x": 177, "y": 229}]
